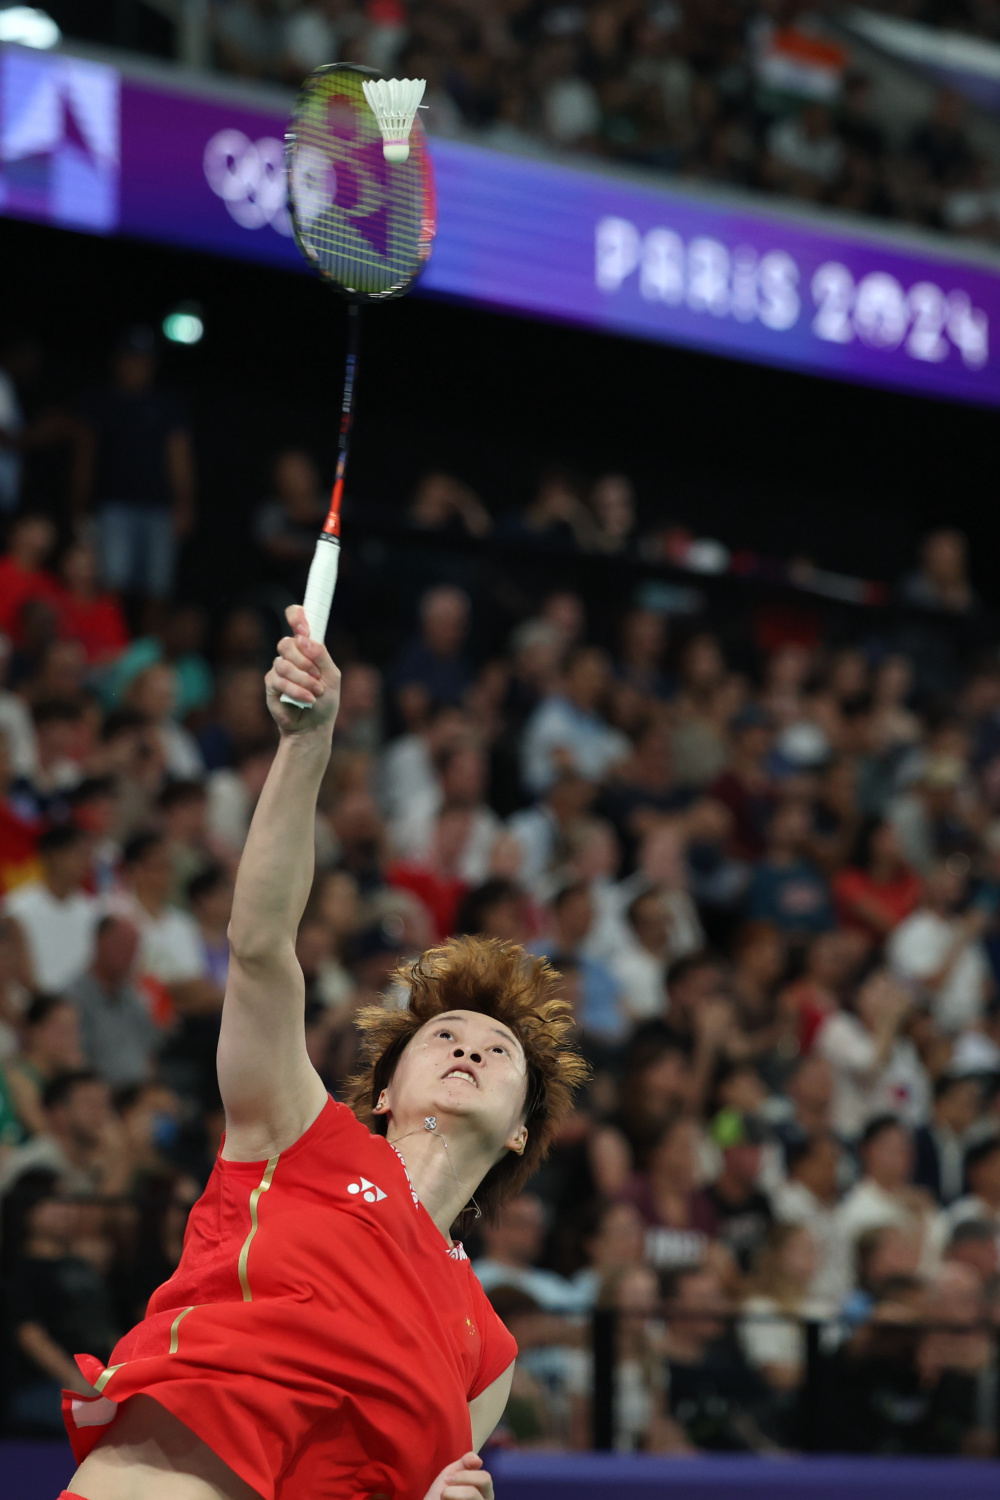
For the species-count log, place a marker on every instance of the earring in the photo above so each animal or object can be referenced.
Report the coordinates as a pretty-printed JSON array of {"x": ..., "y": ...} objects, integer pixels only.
[{"x": 381, "y": 1106}]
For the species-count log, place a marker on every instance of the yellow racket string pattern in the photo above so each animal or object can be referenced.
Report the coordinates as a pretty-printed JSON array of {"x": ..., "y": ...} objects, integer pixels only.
[{"x": 364, "y": 223}]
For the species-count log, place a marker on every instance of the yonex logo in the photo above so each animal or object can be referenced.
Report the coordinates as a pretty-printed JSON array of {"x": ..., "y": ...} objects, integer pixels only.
[{"x": 371, "y": 1193}]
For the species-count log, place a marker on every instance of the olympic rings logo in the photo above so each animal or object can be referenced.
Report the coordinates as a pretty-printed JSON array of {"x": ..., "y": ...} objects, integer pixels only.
[{"x": 249, "y": 177}]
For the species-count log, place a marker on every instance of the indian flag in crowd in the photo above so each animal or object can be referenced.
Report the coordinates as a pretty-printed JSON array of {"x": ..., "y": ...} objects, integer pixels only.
[{"x": 789, "y": 61}]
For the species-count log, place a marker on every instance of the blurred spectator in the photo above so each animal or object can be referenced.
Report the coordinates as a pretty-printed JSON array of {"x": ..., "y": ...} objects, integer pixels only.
[
  {"x": 462, "y": 776},
  {"x": 210, "y": 898},
  {"x": 555, "y": 519},
  {"x": 286, "y": 526},
  {"x": 232, "y": 794},
  {"x": 641, "y": 968},
  {"x": 90, "y": 615},
  {"x": 116, "y": 1029},
  {"x": 782, "y": 1281},
  {"x": 567, "y": 731},
  {"x": 55, "y": 914},
  {"x": 809, "y": 1197},
  {"x": 981, "y": 1202},
  {"x": 543, "y": 831},
  {"x": 437, "y": 660},
  {"x": 943, "y": 580},
  {"x": 714, "y": 1395},
  {"x": 876, "y": 1068},
  {"x": 641, "y": 1419},
  {"x": 17, "y": 732},
  {"x": 80, "y": 1142},
  {"x": 58, "y": 1303},
  {"x": 942, "y": 1143},
  {"x": 136, "y": 471},
  {"x": 172, "y": 962},
  {"x": 153, "y": 694},
  {"x": 444, "y": 504},
  {"x": 612, "y": 500},
  {"x": 787, "y": 888},
  {"x": 668, "y": 1193},
  {"x": 745, "y": 786},
  {"x": 878, "y": 889},
  {"x": 940, "y": 144},
  {"x": 743, "y": 1214},
  {"x": 602, "y": 1013},
  {"x": 511, "y": 1250},
  {"x": 806, "y": 152},
  {"x": 239, "y": 719},
  {"x": 885, "y": 1196},
  {"x": 178, "y": 643},
  {"x": 51, "y": 1045},
  {"x": 942, "y": 952},
  {"x": 23, "y": 576}
]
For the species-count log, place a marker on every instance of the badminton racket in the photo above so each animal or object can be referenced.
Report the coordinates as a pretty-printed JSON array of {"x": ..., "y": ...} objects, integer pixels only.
[{"x": 366, "y": 224}]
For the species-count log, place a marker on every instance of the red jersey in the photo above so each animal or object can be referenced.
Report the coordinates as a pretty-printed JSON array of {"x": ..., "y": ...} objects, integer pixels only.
[{"x": 318, "y": 1334}]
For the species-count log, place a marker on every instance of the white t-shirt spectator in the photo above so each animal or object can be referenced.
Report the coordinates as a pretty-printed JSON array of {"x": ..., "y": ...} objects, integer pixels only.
[
  {"x": 591, "y": 745},
  {"x": 171, "y": 948},
  {"x": 767, "y": 1339},
  {"x": 59, "y": 934},
  {"x": 793, "y": 1203},
  {"x": 571, "y": 110},
  {"x": 642, "y": 980},
  {"x": 405, "y": 775},
  {"x": 863, "y": 1090},
  {"x": 918, "y": 948},
  {"x": 229, "y": 810},
  {"x": 868, "y": 1206},
  {"x": 412, "y": 834},
  {"x": 19, "y": 732},
  {"x": 821, "y": 157},
  {"x": 552, "y": 1292}
]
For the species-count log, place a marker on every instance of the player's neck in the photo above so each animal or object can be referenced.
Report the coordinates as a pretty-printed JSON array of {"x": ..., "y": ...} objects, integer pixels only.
[{"x": 443, "y": 1178}]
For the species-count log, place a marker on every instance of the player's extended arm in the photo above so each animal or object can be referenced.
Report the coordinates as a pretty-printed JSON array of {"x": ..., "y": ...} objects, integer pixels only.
[
  {"x": 486, "y": 1409},
  {"x": 270, "y": 1090}
]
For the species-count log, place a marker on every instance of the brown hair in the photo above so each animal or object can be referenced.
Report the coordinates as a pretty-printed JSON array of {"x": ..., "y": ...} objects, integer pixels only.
[{"x": 499, "y": 979}]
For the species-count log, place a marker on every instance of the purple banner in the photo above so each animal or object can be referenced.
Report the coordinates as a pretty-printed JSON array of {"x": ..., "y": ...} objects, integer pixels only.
[{"x": 80, "y": 145}]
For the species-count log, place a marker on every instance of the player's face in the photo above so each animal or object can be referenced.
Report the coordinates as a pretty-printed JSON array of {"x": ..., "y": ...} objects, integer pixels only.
[{"x": 466, "y": 1066}]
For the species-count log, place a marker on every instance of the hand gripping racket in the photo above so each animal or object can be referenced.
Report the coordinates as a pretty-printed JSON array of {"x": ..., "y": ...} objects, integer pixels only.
[{"x": 367, "y": 225}]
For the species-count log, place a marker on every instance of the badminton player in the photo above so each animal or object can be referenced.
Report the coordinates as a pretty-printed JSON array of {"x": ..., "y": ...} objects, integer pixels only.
[{"x": 323, "y": 1337}]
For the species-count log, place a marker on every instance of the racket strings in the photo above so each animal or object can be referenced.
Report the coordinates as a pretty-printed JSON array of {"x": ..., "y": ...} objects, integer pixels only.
[{"x": 365, "y": 224}]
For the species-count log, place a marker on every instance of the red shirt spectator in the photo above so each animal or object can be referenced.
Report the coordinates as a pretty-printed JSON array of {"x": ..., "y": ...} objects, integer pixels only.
[
  {"x": 89, "y": 616},
  {"x": 432, "y": 879},
  {"x": 875, "y": 892},
  {"x": 745, "y": 787},
  {"x": 22, "y": 576}
]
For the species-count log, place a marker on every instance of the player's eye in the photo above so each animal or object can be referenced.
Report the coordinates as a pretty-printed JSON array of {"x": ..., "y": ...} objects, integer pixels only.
[
  {"x": 446, "y": 1033},
  {"x": 498, "y": 1048}
]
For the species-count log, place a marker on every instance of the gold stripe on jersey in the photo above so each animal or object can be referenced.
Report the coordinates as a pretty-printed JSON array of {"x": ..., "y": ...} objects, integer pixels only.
[{"x": 262, "y": 1187}]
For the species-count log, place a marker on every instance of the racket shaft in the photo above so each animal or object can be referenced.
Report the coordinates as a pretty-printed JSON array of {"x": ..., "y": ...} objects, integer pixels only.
[{"x": 319, "y": 594}]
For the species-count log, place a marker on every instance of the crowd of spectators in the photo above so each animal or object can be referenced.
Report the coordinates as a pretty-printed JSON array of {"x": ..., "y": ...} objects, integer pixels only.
[
  {"x": 772, "y": 895},
  {"x": 754, "y": 95}
]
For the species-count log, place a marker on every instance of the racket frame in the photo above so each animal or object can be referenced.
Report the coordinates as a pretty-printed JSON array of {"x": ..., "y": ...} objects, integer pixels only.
[{"x": 325, "y": 564}]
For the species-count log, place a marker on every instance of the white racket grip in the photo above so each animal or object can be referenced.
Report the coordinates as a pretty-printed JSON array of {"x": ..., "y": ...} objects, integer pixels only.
[{"x": 320, "y": 588}]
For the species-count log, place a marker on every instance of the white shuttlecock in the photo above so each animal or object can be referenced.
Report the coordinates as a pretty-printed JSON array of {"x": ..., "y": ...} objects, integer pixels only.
[{"x": 394, "y": 102}]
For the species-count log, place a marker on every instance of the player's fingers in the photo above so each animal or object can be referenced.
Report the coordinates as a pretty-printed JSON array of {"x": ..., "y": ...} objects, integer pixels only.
[
  {"x": 318, "y": 654},
  {"x": 470, "y": 1486},
  {"x": 283, "y": 677},
  {"x": 474, "y": 1484},
  {"x": 291, "y": 648}
]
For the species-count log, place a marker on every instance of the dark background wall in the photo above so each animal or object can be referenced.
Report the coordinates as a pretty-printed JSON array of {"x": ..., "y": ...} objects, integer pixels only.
[{"x": 781, "y": 462}]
